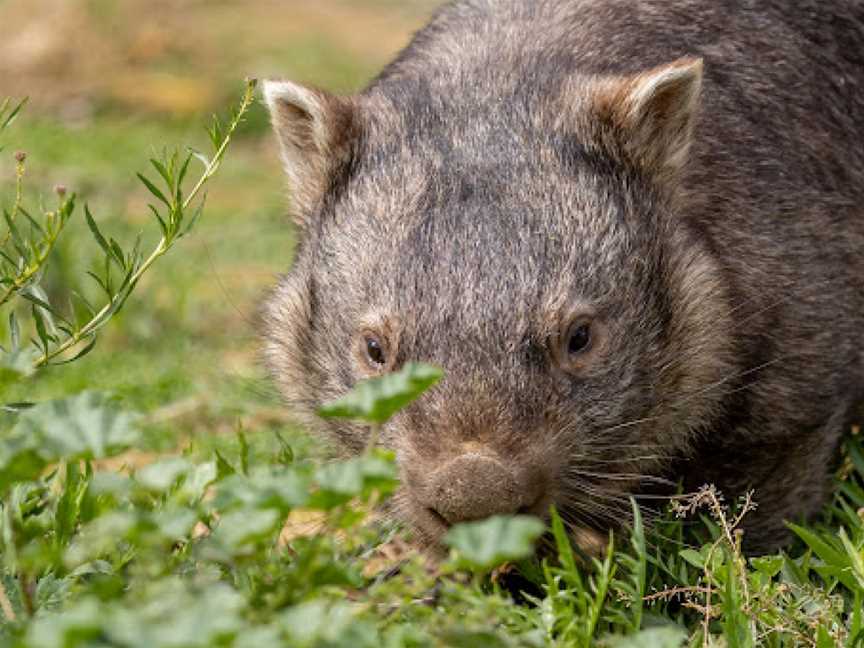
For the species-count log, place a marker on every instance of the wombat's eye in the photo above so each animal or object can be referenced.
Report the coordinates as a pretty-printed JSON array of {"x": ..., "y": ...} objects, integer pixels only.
[
  {"x": 579, "y": 338},
  {"x": 579, "y": 343},
  {"x": 375, "y": 351}
]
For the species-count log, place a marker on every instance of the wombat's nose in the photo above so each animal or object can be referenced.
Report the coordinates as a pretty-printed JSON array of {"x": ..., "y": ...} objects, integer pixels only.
[{"x": 474, "y": 486}]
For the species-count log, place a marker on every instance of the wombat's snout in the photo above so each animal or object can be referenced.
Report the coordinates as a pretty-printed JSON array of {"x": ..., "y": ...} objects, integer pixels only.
[{"x": 475, "y": 486}]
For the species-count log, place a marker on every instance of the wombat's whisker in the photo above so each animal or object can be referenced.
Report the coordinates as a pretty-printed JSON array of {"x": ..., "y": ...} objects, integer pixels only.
[
  {"x": 689, "y": 396},
  {"x": 728, "y": 379},
  {"x": 627, "y": 459},
  {"x": 249, "y": 321}
]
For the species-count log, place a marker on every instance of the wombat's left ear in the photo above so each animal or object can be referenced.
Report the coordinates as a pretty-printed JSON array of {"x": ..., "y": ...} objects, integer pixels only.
[
  {"x": 652, "y": 114},
  {"x": 315, "y": 130}
]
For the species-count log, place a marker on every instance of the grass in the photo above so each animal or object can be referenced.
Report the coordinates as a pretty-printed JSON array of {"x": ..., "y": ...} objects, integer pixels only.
[{"x": 209, "y": 519}]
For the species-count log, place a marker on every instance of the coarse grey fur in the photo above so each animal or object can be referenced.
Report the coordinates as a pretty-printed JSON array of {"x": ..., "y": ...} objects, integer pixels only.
[{"x": 522, "y": 166}]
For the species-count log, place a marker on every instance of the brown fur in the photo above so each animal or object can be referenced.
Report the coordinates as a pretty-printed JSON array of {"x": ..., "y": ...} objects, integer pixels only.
[{"x": 685, "y": 176}]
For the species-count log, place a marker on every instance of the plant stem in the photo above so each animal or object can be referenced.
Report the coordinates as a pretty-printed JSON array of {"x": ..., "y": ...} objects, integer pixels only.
[
  {"x": 27, "y": 587},
  {"x": 165, "y": 243},
  {"x": 19, "y": 182}
]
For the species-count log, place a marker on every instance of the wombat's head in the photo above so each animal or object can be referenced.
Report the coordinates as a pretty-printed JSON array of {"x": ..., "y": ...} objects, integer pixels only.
[{"x": 529, "y": 244}]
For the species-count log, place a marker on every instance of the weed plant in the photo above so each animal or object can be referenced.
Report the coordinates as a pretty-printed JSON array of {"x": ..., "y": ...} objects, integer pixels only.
[{"x": 263, "y": 546}]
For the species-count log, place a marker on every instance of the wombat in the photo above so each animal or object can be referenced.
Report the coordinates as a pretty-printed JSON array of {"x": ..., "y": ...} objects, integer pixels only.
[{"x": 631, "y": 233}]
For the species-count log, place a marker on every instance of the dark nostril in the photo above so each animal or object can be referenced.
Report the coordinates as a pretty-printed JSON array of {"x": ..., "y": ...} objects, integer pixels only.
[
  {"x": 438, "y": 517},
  {"x": 535, "y": 508}
]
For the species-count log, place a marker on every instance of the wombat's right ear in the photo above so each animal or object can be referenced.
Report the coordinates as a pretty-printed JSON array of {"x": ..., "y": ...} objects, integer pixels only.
[
  {"x": 315, "y": 130},
  {"x": 652, "y": 114}
]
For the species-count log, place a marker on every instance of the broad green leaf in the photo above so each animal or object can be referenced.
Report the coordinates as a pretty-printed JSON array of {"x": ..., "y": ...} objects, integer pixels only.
[
  {"x": 162, "y": 475},
  {"x": 377, "y": 399},
  {"x": 836, "y": 563},
  {"x": 86, "y": 426},
  {"x": 199, "y": 479},
  {"x": 98, "y": 538},
  {"x": 73, "y": 627},
  {"x": 265, "y": 488},
  {"x": 175, "y": 523},
  {"x": 488, "y": 543},
  {"x": 477, "y": 638},
  {"x": 768, "y": 565},
  {"x": 820, "y": 546},
  {"x": 175, "y": 615},
  {"x": 663, "y": 637},
  {"x": 340, "y": 482},
  {"x": 239, "y": 529},
  {"x": 693, "y": 557},
  {"x": 15, "y": 366},
  {"x": 319, "y": 623}
]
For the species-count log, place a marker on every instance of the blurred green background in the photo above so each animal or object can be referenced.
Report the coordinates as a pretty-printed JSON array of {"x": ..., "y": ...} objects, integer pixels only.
[{"x": 110, "y": 83}]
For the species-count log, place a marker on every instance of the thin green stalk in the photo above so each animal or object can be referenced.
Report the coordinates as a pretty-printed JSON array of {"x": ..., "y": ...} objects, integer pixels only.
[
  {"x": 19, "y": 193},
  {"x": 20, "y": 158}
]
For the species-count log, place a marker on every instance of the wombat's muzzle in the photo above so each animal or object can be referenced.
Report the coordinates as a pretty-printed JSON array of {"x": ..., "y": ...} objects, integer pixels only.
[{"x": 474, "y": 486}]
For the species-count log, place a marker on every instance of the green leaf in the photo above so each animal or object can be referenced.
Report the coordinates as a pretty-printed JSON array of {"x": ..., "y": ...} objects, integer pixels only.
[
  {"x": 224, "y": 468},
  {"x": 199, "y": 480},
  {"x": 198, "y": 155},
  {"x": 87, "y": 348},
  {"x": 566, "y": 555},
  {"x": 377, "y": 399},
  {"x": 6, "y": 119},
  {"x": 163, "y": 171},
  {"x": 335, "y": 625},
  {"x": 286, "y": 452},
  {"x": 239, "y": 529},
  {"x": 176, "y": 523},
  {"x": 244, "y": 452},
  {"x": 339, "y": 482},
  {"x": 824, "y": 639},
  {"x": 693, "y": 557},
  {"x": 662, "y": 637},
  {"x": 99, "y": 538},
  {"x": 855, "y": 558},
  {"x": 265, "y": 488},
  {"x": 74, "y": 627},
  {"x": 160, "y": 476},
  {"x": 86, "y": 426},
  {"x": 175, "y": 614},
  {"x": 68, "y": 511},
  {"x": 768, "y": 565},
  {"x": 100, "y": 239},
  {"x": 836, "y": 563},
  {"x": 153, "y": 189},
  {"x": 15, "y": 366},
  {"x": 181, "y": 176},
  {"x": 14, "y": 333},
  {"x": 488, "y": 543}
]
